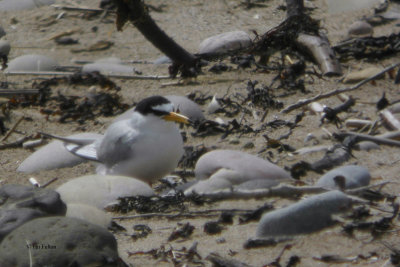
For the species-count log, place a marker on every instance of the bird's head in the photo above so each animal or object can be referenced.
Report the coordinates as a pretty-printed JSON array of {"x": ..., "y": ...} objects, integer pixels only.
[{"x": 161, "y": 107}]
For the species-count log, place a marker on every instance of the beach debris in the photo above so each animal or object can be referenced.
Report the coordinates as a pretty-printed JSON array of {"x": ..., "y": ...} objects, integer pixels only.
[
  {"x": 4, "y": 51},
  {"x": 212, "y": 227},
  {"x": 225, "y": 42},
  {"x": 2, "y": 32},
  {"x": 102, "y": 191},
  {"x": 214, "y": 105},
  {"x": 20, "y": 204},
  {"x": 141, "y": 231},
  {"x": 98, "y": 46},
  {"x": 182, "y": 231},
  {"x": 54, "y": 156},
  {"x": 360, "y": 75},
  {"x": 60, "y": 241},
  {"x": 345, "y": 177}
]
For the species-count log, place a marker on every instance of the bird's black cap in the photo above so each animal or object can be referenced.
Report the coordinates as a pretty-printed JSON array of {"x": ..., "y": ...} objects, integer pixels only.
[{"x": 147, "y": 105}]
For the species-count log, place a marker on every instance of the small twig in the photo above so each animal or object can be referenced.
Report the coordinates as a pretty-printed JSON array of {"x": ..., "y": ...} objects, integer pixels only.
[
  {"x": 66, "y": 73},
  {"x": 78, "y": 8},
  {"x": 304, "y": 102},
  {"x": 49, "y": 182},
  {"x": 17, "y": 143},
  {"x": 202, "y": 213},
  {"x": 375, "y": 139},
  {"x": 12, "y": 129},
  {"x": 12, "y": 92}
]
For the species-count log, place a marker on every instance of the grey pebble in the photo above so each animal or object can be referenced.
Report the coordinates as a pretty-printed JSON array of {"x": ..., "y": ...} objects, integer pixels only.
[
  {"x": 306, "y": 216},
  {"x": 61, "y": 242},
  {"x": 32, "y": 63},
  {"x": 366, "y": 146},
  {"x": 354, "y": 176},
  {"x": 360, "y": 29},
  {"x": 20, "y": 203}
]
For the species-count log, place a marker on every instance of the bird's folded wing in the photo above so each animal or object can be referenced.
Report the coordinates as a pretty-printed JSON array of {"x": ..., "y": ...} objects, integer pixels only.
[
  {"x": 71, "y": 140},
  {"x": 86, "y": 152}
]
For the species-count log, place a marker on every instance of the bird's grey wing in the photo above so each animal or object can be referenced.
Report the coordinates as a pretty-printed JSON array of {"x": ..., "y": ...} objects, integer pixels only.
[
  {"x": 87, "y": 152},
  {"x": 117, "y": 145}
]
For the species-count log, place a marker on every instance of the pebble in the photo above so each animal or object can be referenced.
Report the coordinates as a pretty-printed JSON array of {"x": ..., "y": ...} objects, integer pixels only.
[
  {"x": 357, "y": 76},
  {"x": 186, "y": 107},
  {"x": 354, "y": 176},
  {"x": 53, "y": 156},
  {"x": 225, "y": 42},
  {"x": 14, "y": 5},
  {"x": 20, "y": 203},
  {"x": 101, "y": 191},
  {"x": 4, "y": 47},
  {"x": 366, "y": 146},
  {"x": 306, "y": 216},
  {"x": 88, "y": 213},
  {"x": 61, "y": 242},
  {"x": 360, "y": 29},
  {"x": 221, "y": 169},
  {"x": 32, "y": 63}
]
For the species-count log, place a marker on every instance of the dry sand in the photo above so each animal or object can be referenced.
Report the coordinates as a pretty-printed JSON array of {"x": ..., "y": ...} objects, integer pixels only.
[{"x": 189, "y": 22}]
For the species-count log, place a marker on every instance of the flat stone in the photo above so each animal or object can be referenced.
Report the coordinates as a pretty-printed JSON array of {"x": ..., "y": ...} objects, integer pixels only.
[
  {"x": 4, "y": 47},
  {"x": 19, "y": 204},
  {"x": 54, "y": 156},
  {"x": 102, "y": 191},
  {"x": 32, "y": 63},
  {"x": 225, "y": 42},
  {"x": 61, "y": 242},
  {"x": 306, "y": 216},
  {"x": 366, "y": 146},
  {"x": 360, "y": 29},
  {"x": 357, "y": 76},
  {"x": 88, "y": 213},
  {"x": 354, "y": 176},
  {"x": 221, "y": 169}
]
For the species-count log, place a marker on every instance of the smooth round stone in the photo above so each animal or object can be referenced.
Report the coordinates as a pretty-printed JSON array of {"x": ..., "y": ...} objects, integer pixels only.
[
  {"x": 221, "y": 169},
  {"x": 162, "y": 60},
  {"x": 32, "y": 63},
  {"x": 61, "y": 242},
  {"x": 4, "y": 47},
  {"x": 13, "y": 5},
  {"x": 107, "y": 68},
  {"x": 225, "y": 42},
  {"x": 186, "y": 107},
  {"x": 20, "y": 204},
  {"x": 306, "y": 216},
  {"x": 360, "y": 29},
  {"x": 54, "y": 156},
  {"x": 88, "y": 213},
  {"x": 354, "y": 176},
  {"x": 101, "y": 191},
  {"x": 366, "y": 146}
]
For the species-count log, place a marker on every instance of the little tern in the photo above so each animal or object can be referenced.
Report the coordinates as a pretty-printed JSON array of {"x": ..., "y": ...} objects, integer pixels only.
[{"x": 147, "y": 146}]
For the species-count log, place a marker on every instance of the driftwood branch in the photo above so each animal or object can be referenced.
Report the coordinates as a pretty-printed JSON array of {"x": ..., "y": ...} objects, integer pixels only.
[
  {"x": 314, "y": 45},
  {"x": 137, "y": 13},
  {"x": 304, "y": 102}
]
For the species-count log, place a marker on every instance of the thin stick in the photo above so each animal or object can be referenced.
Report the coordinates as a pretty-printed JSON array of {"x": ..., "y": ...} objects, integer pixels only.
[
  {"x": 375, "y": 139},
  {"x": 203, "y": 213},
  {"x": 304, "y": 102},
  {"x": 12, "y": 92},
  {"x": 49, "y": 182},
  {"x": 12, "y": 129},
  {"x": 66, "y": 73}
]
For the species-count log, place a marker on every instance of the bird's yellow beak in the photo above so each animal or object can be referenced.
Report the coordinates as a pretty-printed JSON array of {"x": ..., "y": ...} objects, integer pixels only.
[{"x": 176, "y": 117}]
